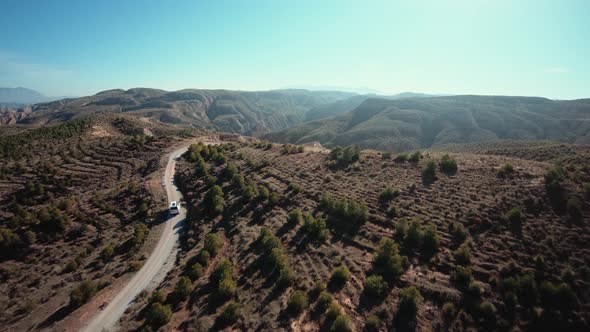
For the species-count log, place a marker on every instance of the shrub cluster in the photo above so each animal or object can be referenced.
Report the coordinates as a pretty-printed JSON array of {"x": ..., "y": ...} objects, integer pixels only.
[
  {"x": 429, "y": 173},
  {"x": 388, "y": 194},
  {"x": 448, "y": 165},
  {"x": 344, "y": 156},
  {"x": 316, "y": 227},
  {"x": 275, "y": 259},
  {"x": 297, "y": 302},
  {"x": 340, "y": 276},
  {"x": 84, "y": 292},
  {"x": 415, "y": 236},
  {"x": 292, "y": 149},
  {"x": 223, "y": 281},
  {"x": 214, "y": 202},
  {"x": 386, "y": 261},
  {"x": 345, "y": 208}
]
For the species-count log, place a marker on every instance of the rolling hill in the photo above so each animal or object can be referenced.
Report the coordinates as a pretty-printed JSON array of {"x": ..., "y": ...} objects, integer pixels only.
[
  {"x": 221, "y": 110},
  {"x": 413, "y": 123}
]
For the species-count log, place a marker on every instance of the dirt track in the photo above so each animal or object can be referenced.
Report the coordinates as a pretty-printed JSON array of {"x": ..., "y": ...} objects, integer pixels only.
[{"x": 154, "y": 268}]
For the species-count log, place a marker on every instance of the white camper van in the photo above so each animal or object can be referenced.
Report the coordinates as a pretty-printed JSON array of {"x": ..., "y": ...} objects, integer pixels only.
[{"x": 174, "y": 208}]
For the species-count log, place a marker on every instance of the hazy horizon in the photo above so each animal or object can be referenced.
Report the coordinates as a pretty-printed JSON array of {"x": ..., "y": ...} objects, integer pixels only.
[{"x": 71, "y": 48}]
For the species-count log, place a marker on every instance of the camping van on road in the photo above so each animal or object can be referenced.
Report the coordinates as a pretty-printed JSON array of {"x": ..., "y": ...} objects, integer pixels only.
[{"x": 174, "y": 208}]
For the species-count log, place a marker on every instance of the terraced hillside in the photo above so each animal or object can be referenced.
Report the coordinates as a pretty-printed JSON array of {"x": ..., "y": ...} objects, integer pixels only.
[
  {"x": 281, "y": 239},
  {"x": 223, "y": 110},
  {"x": 418, "y": 123},
  {"x": 75, "y": 211}
]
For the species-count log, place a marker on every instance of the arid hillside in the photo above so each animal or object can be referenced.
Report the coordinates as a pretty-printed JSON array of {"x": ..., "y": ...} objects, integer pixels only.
[
  {"x": 419, "y": 123},
  {"x": 76, "y": 206},
  {"x": 279, "y": 238},
  {"x": 222, "y": 110}
]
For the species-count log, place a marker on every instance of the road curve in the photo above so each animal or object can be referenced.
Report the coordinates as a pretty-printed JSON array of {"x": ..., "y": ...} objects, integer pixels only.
[{"x": 107, "y": 319}]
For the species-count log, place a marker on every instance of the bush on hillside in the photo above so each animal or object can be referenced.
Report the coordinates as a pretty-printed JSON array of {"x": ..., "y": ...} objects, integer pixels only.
[
  {"x": 429, "y": 173},
  {"x": 448, "y": 165},
  {"x": 297, "y": 302},
  {"x": 340, "y": 276}
]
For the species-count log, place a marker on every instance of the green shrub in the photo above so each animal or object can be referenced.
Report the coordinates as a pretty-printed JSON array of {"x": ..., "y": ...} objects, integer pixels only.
[
  {"x": 334, "y": 310},
  {"x": 83, "y": 292},
  {"x": 415, "y": 157},
  {"x": 340, "y": 276},
  {"x": 372, "y": 324},
  {"x": 229, "y": 171},
  {"x": 316, "y": 227},
  {"x": 462, "y": 277},
  {"x": 410, "y": 298},
  {"x": 276, "y": 259},
  {"x": 553, "y": 186},
  {"x": 195, "y": 271},
  {"x": 345, "y": 156},
  {"x": 230, "y": 313},
  {"x": 295, "y": 217},
  {"x": 274, "y": 199},
  {"x": 429, "y": 173},
  {"x": 448, "y": 165},
  {"x": 487, "y": 310},
  {"x": 449, "y": 311},
  {"x": 226, "y": 288},
  {"x": 375, "y": 287},
  {"x": 263, "y": 193},
  {"x": 506, "y": 170},
  {"x": 214, "y": 201},
  {"x": 159, "y": 314},
  {"x": 342, "y": 323},
  {"x": 324, "y": 301},
  {"x": 139, "y": 232},
  {"x": 463, "y": 254},
  {"x": 414, "y": 234},
  {"x": 431, "y": 240},
  {"x": 204, "y": 257},
  {"x": 345, "y": 208},
  {"x": 386, "y": 155},
  {"x": 268, "y": 240},
  {"x": 515, "y": 217},
  {"x": 286, "y": 277},
  {"x": 107, "y": 253},
  {"x": 222, "y": 270},
  {"x": 158, "y": 297},
  {"x": 386, "y": 261},
  {"x": 388, "y": 194},
  {"x": 294, "y": 187},
  {"x": 560, "y": 297},
  {"x": 183, "y": 289},
  {"x": 297, "y": 302},
  {"x": 318, "y": 288},
  {"x": 459, "y": 232},
  {"x": 213, "y": 243}
]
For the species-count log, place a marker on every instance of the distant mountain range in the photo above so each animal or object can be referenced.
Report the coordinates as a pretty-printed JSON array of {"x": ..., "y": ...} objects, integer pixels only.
[
  {"x": 415, "y": 123},
  {"x": 23, "y": 96},
  {"x": 400, "y": 122},
  {"x": 244, "y": 112}
]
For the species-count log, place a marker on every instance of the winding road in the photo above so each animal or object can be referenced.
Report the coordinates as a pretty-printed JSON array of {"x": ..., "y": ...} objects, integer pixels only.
[{"x": 155, "y": 268}]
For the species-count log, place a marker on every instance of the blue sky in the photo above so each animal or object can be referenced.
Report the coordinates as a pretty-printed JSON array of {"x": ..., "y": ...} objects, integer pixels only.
[{"x": 503, "y": 47}]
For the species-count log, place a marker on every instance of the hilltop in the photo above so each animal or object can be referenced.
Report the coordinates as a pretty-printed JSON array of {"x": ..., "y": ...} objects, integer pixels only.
[{"x": 415, "y": 123}]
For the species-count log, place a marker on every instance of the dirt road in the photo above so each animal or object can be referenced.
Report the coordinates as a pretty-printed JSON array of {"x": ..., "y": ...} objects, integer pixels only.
[{"x": 155, "y": 268}]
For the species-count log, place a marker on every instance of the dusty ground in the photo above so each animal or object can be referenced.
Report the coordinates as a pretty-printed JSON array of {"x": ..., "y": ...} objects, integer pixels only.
[{"x": 475, "y": 197}]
